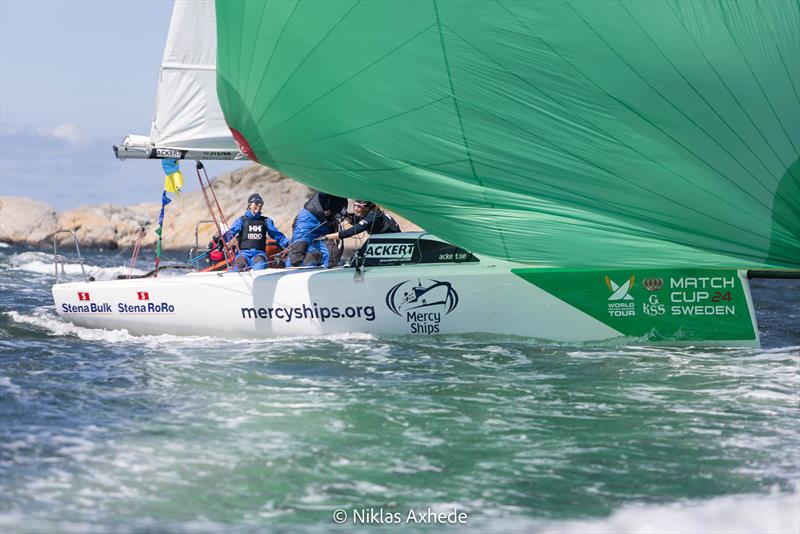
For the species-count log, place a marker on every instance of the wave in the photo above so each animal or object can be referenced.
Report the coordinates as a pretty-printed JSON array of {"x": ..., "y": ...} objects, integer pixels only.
[
  {"x": 738, "y": 514},
  {"x": 733, "y": 514},
  {"x": 60, "y": 328},
  {"x": 42, "y": 263},
  {"x": 45, "y": 319}
]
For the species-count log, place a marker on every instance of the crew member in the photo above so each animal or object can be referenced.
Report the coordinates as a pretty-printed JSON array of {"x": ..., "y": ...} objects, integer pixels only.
[
  {"x": 317, "y": 218},
  {"x": 368, "y": 217},
  {"x": 251, "y": 231},
  {"x": 215, "y": 255},
  {"x": 318, "y": 254}
]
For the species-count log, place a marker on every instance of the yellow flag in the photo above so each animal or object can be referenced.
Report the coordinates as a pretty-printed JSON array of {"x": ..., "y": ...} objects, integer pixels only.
[
  {"x": 173, "y": 183},
  {"x": 174, "y": 180}
]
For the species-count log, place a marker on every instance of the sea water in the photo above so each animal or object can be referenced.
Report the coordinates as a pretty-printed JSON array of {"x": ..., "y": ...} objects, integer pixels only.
[{"x": 102, "y": 431}]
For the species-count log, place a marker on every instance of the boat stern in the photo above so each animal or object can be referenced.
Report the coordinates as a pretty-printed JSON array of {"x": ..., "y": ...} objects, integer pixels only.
[{"x": 684, "y": 306}]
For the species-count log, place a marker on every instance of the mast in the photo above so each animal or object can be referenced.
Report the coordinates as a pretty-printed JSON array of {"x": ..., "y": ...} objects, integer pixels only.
[{"x": 187, "y": 121}]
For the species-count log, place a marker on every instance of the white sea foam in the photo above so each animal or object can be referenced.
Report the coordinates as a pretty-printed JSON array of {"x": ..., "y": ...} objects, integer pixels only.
[
  {"x": 19, "y": 522},
  {"x": 420, "y": 438},
  {"x": 42, "y": 263},
  {"x": 61, "y": 328},
  {"x": 5, "y": 382},
  {"x": 172, "y": 345},
  {"x": 42, "y": 318},
  {"x": 4, "y": 245},
  {"x": 736, "y": 514},
  {"x": 771, "y": 396}
]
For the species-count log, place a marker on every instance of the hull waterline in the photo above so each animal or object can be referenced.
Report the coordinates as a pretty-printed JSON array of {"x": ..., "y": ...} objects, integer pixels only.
[{"x": 487, "y": 297}]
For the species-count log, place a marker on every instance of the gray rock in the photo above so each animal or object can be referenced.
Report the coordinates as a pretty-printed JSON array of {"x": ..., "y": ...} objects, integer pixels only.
[
  {"x": 26, "y": 221},
  {"x": 112, "y": 226}
]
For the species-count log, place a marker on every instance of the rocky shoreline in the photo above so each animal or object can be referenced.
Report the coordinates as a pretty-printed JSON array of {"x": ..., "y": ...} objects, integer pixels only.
[{"x": 24, "y": 221}]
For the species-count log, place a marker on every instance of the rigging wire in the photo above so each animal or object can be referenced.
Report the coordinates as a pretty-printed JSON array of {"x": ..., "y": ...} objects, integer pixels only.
[
  {"x": 218, "y": 222},
  {"x": 98, "y": 270},
  {"x": 136, "y": 248}
]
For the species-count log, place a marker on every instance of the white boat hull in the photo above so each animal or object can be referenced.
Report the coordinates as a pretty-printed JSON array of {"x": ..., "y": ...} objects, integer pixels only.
[
  {"x": 316, "y": 301},
  {"x": 420, "y": 299}
]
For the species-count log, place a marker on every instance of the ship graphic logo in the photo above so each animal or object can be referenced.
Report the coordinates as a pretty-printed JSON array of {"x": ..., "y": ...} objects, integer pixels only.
[
  {"x": 407, "y": 296},
  {"x": 620, "y": 292}
]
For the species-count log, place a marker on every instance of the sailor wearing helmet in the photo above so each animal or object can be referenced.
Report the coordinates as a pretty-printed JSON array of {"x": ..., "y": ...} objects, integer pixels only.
[
  {"x": 368, "y": 217},
  {"x": 251, "y": 231}
]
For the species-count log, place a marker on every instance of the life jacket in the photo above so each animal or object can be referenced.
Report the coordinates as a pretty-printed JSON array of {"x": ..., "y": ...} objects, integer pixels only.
[
  {"x": 215, "y": 249},
  {"x": 385, "y": 224},
  {"x": 381, "y": 223},
  {"x": 254, "y": 233}
]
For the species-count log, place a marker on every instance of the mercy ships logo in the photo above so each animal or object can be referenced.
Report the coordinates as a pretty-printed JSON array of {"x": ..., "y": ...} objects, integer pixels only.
[{"x": 422, "y": 304}]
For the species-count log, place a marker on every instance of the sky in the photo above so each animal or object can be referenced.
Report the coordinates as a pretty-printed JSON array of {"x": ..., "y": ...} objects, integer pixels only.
[{"x": 75, "y": 78}]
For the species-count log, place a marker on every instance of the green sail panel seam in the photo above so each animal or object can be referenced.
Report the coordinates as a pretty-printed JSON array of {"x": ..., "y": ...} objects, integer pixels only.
[
  {"x": 350, "y": 78},
  {"x": 710, "y": 106},
  {"x": 364, "y": 126},
  {"x": 726, "y": 86},
  {"x": 726, "y": 22},
  {"x": 464, "y": 139},
  {"x": 590, "y": 80},
  {"x": 678, "y": 142},
  {"x": 275, "y": 49},
  {"x": 305, "y": 58}
]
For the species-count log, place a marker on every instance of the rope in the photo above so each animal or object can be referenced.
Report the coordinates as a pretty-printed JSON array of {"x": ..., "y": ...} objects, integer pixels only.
[
  {"x": 213, "y": 267},
  {"x": 219, "y": 208},
  {"x": 94, "y": 273},
  {"x": 200, "y": 257},
  {"x": 293, "y": 239},
  {"x": 136, "y": 248},
  {"x": 359, "y": 255},
  {"x": 229, "y": 250}
]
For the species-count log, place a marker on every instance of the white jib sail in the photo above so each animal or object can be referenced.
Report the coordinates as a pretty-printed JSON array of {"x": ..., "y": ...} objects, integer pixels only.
[{"x": 188, "y": 121}]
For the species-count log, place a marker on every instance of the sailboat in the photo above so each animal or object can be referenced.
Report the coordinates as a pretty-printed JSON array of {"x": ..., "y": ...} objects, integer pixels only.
[{"x": 588, "y": 171}]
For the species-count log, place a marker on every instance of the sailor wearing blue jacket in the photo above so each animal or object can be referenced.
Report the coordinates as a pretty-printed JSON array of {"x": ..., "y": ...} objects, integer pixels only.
[
  {"x": 317, "y": 254},
  {"x": 316, "y": 219},
  {"x": 251, "y": 231}
]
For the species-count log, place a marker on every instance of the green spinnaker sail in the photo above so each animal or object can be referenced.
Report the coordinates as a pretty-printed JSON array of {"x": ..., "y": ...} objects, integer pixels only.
[{"x": 569, "y": 134}]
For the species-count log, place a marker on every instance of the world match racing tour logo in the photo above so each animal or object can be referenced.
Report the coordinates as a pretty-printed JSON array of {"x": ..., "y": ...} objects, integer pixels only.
[
  {"x": 423, "y": 305},
  {"x": 620, "y": 303}
]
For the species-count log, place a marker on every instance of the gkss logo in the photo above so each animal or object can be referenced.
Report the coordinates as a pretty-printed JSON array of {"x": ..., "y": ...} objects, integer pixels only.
[{"x": 653, "y": 306}]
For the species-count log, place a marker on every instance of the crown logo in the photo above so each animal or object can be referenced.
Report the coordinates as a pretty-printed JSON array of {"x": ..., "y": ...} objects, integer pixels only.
[{"x": 653, "y": 284}]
